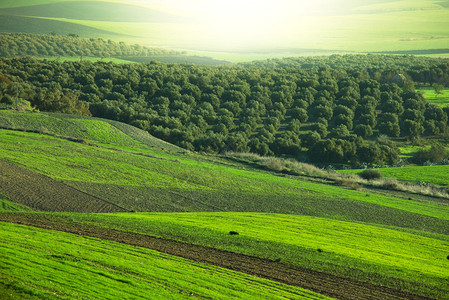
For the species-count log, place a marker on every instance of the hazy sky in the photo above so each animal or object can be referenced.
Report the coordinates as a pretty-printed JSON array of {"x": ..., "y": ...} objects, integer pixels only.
[
  {"x": 246, "y": 22},
  {"x": 358, "y": 25}
]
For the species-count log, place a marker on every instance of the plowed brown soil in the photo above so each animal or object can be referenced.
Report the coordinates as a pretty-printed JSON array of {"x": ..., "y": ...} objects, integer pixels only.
[
  {"x": 40, "y": 192},
  {"x": 326, "y": 284}
]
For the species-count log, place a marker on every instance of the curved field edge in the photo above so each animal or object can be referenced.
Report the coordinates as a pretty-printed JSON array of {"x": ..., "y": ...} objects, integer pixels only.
[
  {"x": 11, "y": 206},
  {"x": 383, "y": 256},
  {"x": 51, "y": 264},
  {"x": 92, "y": 129}
]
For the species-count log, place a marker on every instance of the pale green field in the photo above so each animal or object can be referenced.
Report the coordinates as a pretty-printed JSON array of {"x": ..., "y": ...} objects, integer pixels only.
[
  {"x": 38, "y": 264},
  {"x": 380, "y": 26}
]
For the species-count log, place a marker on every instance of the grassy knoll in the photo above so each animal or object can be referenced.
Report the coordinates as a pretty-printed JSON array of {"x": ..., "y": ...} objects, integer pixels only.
[
  {"x": 441, "y": 100},
  {"x": 385, "y": 256},
  {"x": 397, "y": 242},
  {"x": 39, "y": 263},
  {"x": 92, "y": 129},
  {"x": 432, "y": 174}
]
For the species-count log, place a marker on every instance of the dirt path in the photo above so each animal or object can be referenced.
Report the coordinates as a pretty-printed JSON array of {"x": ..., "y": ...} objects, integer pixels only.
[
  {"x": 40, "y": 192},
  {"x": 326, "y": 284}
]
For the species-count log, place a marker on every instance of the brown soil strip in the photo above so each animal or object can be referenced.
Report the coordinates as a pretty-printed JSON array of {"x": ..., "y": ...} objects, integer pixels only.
[
  {"x": 40, "y": 192},
  {"x": 322, "y": 283}
]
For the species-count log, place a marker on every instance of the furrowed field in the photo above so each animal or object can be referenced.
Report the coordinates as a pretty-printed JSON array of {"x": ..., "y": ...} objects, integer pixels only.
[
  {"x": 39, "y": 263},
  {"x": 230, "y": 177},
  {"x": 146, "y": 179},
  {"x": 386, "y": 256},
  {"x": 397, "y": 242}
]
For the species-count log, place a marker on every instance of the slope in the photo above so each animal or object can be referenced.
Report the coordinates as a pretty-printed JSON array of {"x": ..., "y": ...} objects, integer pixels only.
[
  {"x": 58, "y": 265},
  {"x": 356, "y": 235},
  {"x": 135, "y": 176}
]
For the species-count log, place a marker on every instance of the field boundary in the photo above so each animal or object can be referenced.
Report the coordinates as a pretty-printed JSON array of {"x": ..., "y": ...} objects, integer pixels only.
[
  {"x": 322, "y": 283},
  {"x": 40, "y": 192}
]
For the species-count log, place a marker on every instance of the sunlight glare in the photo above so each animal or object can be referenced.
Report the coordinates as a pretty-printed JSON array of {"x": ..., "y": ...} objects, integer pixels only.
[{"x": 250, "y": 23}]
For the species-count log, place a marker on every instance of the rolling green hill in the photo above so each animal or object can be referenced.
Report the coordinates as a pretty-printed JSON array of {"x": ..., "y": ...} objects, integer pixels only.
[
  {"x": 13, "y": 23},
  {"x": 403, "y": 27},
  {"x": 355, "y": 234},
  {"x": 92, "y": 10}
]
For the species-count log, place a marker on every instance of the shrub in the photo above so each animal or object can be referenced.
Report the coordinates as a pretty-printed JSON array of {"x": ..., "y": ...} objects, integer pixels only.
[
  {"x": 371, "y": 174},
  {"x": 436, "y": 154}
]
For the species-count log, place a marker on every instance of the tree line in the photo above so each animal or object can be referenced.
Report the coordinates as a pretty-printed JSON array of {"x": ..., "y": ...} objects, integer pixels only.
[
  {"x": 71, "y": 45},
  {"x": 324, "y": 110}
]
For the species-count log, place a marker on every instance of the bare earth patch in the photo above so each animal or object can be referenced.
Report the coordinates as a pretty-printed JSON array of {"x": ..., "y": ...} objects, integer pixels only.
[{"x": 43, "y": 193}]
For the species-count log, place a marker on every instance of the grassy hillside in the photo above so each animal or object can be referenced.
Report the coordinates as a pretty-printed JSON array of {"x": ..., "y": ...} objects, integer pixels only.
[
  {"x": 13, "y": 23},
  {"x": 367, "y": 253},
  {"x": 92, "y": 129},
  {"x": 426, "y": 174},
  {"x": 93, "y": 10},
  {"x": 400, "y": 243},
  {"x": 152, "y": 180},
  {"x": 54, "y": 265}
]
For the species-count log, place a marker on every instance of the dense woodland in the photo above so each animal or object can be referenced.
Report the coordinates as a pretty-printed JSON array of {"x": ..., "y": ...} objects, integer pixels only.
[{"x": 346, "y": 109}]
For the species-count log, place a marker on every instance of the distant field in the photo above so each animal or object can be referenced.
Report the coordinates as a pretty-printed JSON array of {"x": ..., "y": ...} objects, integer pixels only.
[
  {"x": 39, "y": 263},
  {"x": 441, "y": 100},
  {"x": 10, "y": 23},
  {"x": 364, "y": 26}
]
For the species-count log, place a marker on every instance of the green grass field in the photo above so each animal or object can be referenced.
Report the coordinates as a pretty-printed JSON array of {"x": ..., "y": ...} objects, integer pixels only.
[
  {"x": 39, "y": 263},
  {"x": 438, "y": 175},
  {"x": 441, "y": 100},
  {"x": 348, "y": 249},
  {"x": 397, "y": 242},
  {"x": 204, "y": 185}
]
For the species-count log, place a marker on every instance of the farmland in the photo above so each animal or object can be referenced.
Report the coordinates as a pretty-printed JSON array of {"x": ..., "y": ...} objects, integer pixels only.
[
  {"x": 367, "y": 26},
  {"x": 58, "y": 265},
  {"x": 427, "y": 174},
  {"x": 124, "y": 169},
  {"x": 132, "y": 166}
]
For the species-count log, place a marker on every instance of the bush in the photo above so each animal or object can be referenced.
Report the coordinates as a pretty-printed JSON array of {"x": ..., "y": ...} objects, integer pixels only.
[
  {"x": 436, "y": 154},
  {"x": 371, "y": 174}
]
